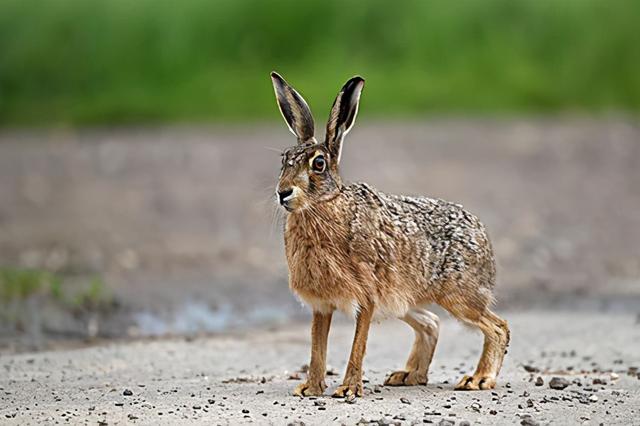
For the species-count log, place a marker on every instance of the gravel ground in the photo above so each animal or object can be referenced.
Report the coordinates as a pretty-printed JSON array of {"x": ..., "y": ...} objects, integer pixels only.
[{"x": 248, "y": 378}]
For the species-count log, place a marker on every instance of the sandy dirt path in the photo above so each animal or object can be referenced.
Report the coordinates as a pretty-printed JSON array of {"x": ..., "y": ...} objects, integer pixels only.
[{"x": 248, "y": 378}]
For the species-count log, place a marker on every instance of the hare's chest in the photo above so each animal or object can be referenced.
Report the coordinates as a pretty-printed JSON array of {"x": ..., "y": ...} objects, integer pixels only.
[
  {"x": 319, "y": 268},
  {"x": 313, "y": 263}
]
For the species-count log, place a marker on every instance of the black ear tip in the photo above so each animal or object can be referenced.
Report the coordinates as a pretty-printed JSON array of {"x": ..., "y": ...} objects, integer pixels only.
[
  {"x": 354, "y": 82},
  {"x": 276, "y": 76}
]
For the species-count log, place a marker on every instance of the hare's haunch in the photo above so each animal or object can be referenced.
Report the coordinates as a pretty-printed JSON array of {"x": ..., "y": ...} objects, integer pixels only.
[{"x": 353, "y": 248}]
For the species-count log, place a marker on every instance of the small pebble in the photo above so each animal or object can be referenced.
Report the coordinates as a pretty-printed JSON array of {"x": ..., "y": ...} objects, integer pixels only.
[
  {"x": 559, "y": 383},
  {"x": 529, "y": 421}
]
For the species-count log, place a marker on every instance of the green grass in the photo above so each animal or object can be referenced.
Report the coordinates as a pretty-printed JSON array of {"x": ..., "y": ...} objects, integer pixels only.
[
  {"x": 89, "y": 293},
  {"x": 114, "y": 61},
  {"x": 16, "y": 283}
]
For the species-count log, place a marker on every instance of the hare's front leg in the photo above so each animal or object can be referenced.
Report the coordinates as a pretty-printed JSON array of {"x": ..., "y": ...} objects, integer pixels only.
[
  {"x": 315, "y": 384},
  {"x": 352, "y": 383}
]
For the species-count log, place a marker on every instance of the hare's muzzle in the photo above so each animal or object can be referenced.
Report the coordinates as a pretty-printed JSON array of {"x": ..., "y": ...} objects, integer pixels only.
[{"x": 285, "y": 196}]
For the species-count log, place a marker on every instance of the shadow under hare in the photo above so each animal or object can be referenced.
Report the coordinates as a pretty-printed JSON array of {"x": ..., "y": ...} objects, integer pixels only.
[{"x": 353, "y": 248}]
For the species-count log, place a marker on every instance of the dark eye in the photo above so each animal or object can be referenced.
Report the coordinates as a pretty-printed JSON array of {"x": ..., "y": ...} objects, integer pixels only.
[{"x": 319, "y": 164}]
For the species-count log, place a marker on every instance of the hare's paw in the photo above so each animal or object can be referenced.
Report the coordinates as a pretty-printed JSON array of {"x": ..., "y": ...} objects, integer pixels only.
[
  {"x": 406, "y": 378},
  {"x": 310, "y": 388},
  {"x": 347, "y": 390},
  {"x": 476, "y": 382}
]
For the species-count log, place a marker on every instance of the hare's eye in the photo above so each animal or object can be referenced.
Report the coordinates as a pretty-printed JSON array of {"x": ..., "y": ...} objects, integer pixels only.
[{"x": 319, "y": 164}]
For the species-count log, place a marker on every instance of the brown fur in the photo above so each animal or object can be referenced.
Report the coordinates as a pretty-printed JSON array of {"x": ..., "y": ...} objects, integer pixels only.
[{"x": 367, "y": 253}]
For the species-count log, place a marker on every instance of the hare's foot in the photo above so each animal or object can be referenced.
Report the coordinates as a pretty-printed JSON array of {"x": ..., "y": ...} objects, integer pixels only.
[
  {"x": 310, "y": 388},
  {"x": 406, "y": 378},
  {"x": 496, "y": 339},
  {"x": 476, "y": 382},
  {"x": 349, "y": 388}
]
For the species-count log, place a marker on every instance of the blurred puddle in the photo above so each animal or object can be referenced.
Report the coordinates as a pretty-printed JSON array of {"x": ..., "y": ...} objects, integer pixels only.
[{"x": 194, "y": 317}]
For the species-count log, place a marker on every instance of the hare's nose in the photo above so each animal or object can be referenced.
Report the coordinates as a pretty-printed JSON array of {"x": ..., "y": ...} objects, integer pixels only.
[{"x": 283, "y": 195}]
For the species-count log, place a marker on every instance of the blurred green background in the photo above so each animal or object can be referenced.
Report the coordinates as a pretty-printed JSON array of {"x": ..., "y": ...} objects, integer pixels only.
[{"x": 115, "y": 61}]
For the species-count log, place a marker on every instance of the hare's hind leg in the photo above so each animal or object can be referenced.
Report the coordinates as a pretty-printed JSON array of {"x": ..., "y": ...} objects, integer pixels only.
[
  {"x": 496, "y": 339},
  {"x": 426, "y": 326}
]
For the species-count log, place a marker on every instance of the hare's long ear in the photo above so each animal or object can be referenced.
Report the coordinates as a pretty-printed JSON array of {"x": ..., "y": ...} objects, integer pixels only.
[
  {"x": 343, "y": 114},
  {"x": 294, "y": 109}
]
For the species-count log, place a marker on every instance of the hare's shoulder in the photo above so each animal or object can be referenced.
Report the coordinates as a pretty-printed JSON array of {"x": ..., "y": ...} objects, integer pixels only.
[
  {"x": 367, "y": 200},
  {"x": 440, "y": 221}
]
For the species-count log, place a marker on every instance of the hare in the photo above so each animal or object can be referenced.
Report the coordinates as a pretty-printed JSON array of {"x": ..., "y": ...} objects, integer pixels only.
[{"x": 358, "y": 250}]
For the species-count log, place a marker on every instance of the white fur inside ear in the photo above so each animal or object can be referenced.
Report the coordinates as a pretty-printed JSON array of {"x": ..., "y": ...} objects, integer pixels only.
[
  {"x": 344, "y": 133},
  {"x": 287, "y": 94},
  {"x": 340, "y": 148},
  {"x": 279, "y": 90},
  {"x": 288, "y": 126},
  {"x": 275, "y": 89},
  {"x": 357, "y": 106}
]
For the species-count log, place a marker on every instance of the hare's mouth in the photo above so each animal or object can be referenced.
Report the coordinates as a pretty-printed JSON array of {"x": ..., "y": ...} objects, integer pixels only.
[
  {"x": 287, "y": 206},
  {"x": 287, "y": 197}
]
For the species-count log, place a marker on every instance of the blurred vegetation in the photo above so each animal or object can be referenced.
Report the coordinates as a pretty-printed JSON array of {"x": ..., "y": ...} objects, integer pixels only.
[
  {"x": 106, "y": 61},
  {"x": 33, "y": 301},
  {"x": 18, "y": 284}
]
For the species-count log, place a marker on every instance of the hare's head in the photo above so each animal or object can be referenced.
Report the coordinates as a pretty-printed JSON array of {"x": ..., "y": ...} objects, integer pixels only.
[{"x": 310, "y": 169}]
